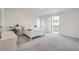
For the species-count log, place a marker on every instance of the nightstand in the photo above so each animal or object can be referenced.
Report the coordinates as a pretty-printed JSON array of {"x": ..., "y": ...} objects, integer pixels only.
[{"x": 19, "y": 30}]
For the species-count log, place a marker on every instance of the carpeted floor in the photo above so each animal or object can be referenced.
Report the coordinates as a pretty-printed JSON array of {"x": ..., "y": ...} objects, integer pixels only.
[{"x": 48, "y": 42}]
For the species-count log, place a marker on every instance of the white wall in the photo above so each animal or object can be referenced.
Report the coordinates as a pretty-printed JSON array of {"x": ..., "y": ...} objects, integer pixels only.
[
  {"x": 17, "y": 16},
  {"x": 69, "y": 23},
  {"x": 0, "y": 17},
  {"x": 69, "y": 20}
]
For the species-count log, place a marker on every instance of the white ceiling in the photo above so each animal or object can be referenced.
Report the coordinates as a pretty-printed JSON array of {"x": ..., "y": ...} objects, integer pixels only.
[
  {"x": 39, "y": 11},
  {"x": 43, "y": 11}
]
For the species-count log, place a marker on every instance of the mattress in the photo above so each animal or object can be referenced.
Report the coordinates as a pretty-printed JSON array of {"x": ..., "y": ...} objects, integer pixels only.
[{"x": 33, "y": 32}]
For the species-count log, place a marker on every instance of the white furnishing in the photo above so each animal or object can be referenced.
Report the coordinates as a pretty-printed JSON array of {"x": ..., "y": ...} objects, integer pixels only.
[
  {"x": 33, "y": 32},
  {"x": 19, "y": 30},
  {"x": 8, "y": 42}
]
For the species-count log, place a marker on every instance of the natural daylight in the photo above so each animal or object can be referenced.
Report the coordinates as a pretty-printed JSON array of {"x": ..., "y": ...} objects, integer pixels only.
[{"x": 39, "y": 29}]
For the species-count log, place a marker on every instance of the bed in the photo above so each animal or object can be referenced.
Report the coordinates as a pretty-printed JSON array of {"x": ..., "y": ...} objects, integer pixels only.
[{"x": 33, "y": 32}]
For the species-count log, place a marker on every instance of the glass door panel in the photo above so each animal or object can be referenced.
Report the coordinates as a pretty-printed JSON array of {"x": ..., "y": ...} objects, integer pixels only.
[{"x": 55, "y": 24}]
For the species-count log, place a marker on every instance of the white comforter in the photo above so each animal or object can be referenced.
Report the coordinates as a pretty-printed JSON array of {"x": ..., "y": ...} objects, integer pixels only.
[{"x": 34, "y": 32}]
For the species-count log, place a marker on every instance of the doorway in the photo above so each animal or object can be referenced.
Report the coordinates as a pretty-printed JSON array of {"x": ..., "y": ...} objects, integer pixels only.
[
  {"x": 50, "y": 24},
  {"x": 55, "y": 24}
]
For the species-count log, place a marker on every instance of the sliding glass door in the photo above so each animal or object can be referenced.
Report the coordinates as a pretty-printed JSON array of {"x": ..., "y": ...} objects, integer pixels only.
[
  {"x": 55, "y": 24},
  {"x": 50, "y": 24}
]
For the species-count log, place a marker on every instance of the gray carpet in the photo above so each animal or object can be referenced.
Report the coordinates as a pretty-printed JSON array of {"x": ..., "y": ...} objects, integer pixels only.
[{"x": 49, "y": 42}]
